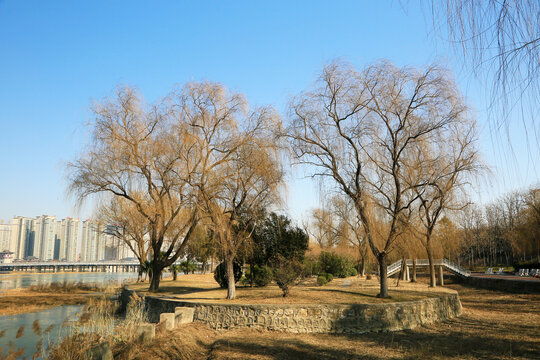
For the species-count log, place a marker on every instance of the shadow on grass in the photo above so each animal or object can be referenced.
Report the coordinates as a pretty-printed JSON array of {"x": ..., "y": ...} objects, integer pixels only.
[
  {"x": 483, "y": 331},
  {"x": 182, "y": 290},
  {"x": 449, "y": 343},
  {"x": 395, "y": 296},
  {"x": 349, "y": 292},
  {"x": 283, "y": 349}
]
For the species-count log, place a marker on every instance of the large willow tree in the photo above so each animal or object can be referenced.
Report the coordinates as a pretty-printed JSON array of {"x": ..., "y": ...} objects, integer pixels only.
[
  {"x": 138, "y": 153},
  {"x": 357, "y": 130}
]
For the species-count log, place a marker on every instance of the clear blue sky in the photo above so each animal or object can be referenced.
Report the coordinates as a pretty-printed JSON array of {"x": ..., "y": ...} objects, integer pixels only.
[{"x": 57, "y": 56}]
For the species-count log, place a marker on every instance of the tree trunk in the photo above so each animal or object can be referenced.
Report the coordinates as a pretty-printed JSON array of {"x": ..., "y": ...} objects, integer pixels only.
[
  {"x": 174, "y": 275},
  {"x": 204, "y": 266},
  {"x": 140, "y": 274},
  {"x": 362, "y": 270},
  {"x": 413, "y": 278},
  {"x": 383, "y": 276},
  {"x": 155, "y": 277},
  {"x": 441, "y": 276},
  {"x": 251, "y": 275},
  {"x": 231, "y": 288},
  {"x": 432, "y": 278}
]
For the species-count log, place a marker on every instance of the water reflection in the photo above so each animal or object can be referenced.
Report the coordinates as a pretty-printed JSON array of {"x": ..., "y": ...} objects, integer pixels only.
[
  {"x": 29, "y": 340},
  {"x": 17, "y": 281}
]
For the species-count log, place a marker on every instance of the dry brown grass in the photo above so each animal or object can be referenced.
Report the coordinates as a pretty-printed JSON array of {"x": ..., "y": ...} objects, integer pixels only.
[
  {"x": 203, "y": 288},
  {"x": 42, "y": 297},
  {"x": 494, "y": 325}
]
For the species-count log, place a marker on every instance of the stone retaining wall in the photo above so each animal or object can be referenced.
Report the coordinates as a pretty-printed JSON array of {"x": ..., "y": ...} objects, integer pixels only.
[
  {"x": 356, "y": 318},
  {"x": 508, "y": 285}
]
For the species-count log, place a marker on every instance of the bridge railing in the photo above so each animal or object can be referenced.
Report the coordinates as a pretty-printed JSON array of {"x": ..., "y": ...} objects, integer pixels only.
[
  {"x": 456, "y": 269},
  {"x": 393, "y": 268}
]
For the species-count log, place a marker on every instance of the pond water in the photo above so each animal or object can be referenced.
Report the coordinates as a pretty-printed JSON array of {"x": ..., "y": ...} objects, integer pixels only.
[
  {"x": 24, "y": 280},
  {"x": 29, "y": 340}
]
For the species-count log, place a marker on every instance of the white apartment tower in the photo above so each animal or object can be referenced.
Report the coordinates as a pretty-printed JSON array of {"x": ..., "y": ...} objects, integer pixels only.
[
  {"x": 22, "y": 239},
  {"x": 5, "y": 236},
  {"x": 67, "y": 239},
  {"x": 45, "y": 237},
  {"x": 93, "y": 241}
]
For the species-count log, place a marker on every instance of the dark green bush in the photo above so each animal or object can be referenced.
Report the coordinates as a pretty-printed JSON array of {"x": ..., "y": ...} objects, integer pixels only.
[
  {"x": 354, "y": 272},
  {"x": 262, "y": 275},
  {"x": 321, "y": 280},
  {"x": 287, "y": 273},
  {"x": 337, "y": 265},
  {"x": 324, "y": 279},
  {"x": 312, "y": 266},
  {"x": 220, "y": 274},
  {"x": 188, "y": 267}
]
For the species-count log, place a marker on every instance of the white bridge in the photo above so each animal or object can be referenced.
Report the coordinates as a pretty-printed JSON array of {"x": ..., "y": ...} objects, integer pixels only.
[{"x": 443, "y": 263}]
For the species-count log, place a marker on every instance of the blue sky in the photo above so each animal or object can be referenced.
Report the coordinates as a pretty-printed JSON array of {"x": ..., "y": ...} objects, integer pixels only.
[{"x": 56, "y": 57}]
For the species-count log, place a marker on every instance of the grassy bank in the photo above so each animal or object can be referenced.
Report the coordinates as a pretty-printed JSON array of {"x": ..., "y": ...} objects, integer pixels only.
[
  {"x": 41, "y": 297},
  {"x": 494, "y": 325},
  {"x": 203, "y": 288}
]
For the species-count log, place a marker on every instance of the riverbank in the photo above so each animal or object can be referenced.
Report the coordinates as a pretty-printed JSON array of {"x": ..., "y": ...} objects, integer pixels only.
[
  {"x": 494, "y": 325},
  {"x": 26, "y": 280},
  {"x": 41, "y": 297}
]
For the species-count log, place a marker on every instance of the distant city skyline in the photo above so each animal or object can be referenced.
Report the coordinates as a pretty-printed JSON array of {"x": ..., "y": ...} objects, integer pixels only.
[
  {"x": 57, "y": 57},
  {"x": 47, "y": 238}
]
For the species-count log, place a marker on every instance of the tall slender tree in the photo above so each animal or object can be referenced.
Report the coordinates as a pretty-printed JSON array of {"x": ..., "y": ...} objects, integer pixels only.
[{"x": 239, "y": 172}]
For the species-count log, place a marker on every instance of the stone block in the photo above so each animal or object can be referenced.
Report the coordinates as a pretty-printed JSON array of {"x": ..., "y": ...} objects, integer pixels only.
[
  {"x": 183, "y": 315},
  {"x": 168, "y": 319},
  {"x": 100, "y": 352},
  {"x": 145, "y": 333}
]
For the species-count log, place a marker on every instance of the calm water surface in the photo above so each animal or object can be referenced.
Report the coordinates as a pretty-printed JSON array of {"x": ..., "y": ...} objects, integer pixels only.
[
  {"x": 28, "y": 341},
  {"x": 22, "y": 280}
]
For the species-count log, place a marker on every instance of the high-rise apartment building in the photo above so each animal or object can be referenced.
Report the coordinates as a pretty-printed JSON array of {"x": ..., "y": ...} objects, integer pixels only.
[
  {"x": 5, "y": 236},
  {"x": 45, "y": 238},
  {"x": 92, "y": 241},
  {"x": 67, "y": 238},
  {"x": 22, "y": 239}
]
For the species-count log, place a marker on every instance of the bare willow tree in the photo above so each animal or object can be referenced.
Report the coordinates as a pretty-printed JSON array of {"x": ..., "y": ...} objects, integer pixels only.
[
  {"x": 357, "y": 128},
  {"x": 240, "y": 172},
  {"x": 127, "y": 225},
  {"x": 323, "y": 228},
  {"x": 443, "y": 165},
  {"x": 344, "y": 210},
  {"x": 138, "y": 153},
  {"x": 500, "y": 39}
]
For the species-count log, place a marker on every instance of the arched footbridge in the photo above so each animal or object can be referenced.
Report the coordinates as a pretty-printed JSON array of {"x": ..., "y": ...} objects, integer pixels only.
[{"x": 444, "y": 263}]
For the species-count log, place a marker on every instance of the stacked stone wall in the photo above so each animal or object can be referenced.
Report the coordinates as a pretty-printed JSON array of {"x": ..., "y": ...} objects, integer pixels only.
[
  {"x": 519, "y": 286},
  {"x": 355, "y": 318}
]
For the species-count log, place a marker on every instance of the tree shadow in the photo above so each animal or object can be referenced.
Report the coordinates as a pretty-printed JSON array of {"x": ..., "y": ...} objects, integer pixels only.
[
  {"x": 462, "y": 336},
  {"x": 183, "y": 290},
  {"x": 284, "y": 349}
]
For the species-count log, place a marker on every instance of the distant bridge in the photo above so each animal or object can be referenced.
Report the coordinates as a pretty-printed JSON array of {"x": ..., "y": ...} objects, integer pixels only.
[
  {"x": 92, "y": 266},
  {"x": 439, "y": 263}
]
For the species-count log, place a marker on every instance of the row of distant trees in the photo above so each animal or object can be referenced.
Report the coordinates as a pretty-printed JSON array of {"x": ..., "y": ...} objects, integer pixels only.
[
  {"x": 503, "y": 233},
  {"x": 397, "y": 145}
]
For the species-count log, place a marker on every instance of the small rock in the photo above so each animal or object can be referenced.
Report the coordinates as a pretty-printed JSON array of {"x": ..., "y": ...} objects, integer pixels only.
[{"x": 100, "y": 352}]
